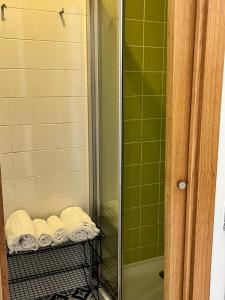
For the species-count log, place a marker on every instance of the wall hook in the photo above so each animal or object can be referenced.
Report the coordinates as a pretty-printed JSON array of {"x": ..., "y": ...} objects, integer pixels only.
[
  {"x": 3, "y": 7},
  {"x": 61, "y": 12}
]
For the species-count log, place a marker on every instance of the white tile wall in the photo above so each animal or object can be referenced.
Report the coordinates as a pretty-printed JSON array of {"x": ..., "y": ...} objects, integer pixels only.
[{"x": 43, "y": 106}]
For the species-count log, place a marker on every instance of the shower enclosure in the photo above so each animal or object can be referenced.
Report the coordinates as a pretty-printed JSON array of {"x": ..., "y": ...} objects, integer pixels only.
[{"x": 83, "y": 97}]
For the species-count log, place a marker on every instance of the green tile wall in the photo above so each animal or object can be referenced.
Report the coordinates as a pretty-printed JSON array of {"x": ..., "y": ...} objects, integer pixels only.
[{"x": 144, "y": 128}]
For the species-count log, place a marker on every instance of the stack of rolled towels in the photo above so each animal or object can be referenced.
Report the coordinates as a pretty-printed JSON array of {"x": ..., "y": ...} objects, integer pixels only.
[{"x": 25, "y": 234}]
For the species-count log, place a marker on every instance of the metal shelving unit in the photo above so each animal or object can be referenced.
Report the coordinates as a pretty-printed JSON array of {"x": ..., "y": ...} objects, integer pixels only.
[{"x": 68, "y": 271}]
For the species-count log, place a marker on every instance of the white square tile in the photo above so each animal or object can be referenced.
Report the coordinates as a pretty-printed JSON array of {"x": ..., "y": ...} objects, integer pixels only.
[
  {"x": 26, "y": 164},
  {"x": 52, "y": 136},
  {"x": 6, "y": 166},
  {"x": 25, "y": 191},
  {"x": 74, "y": 6},
  {"x": 74, "y": 83},
  {"x": 5, "y": 139},
  {"x": 23, "y": 111},
  {"x": 47, "y": 26},
  {"x": 49, "y": 55},
  {"x": 50, "y": 5},
  {"x": 79, "y": 183},
  {"x": 76, "y": 134},
  {"x": 74, "y": 29},
  {"x": 52, "y": 186},
  {"x": 20, "y": 54},
  {"x": 50, "y": 110},
  {"x": 4, "y": 112},
  {"x": 53, "y": 161},
  {"x": 75, "y": 56},
  {"x": 77, "y": 159},
  {"x": 19, "y": 24},
  {"x": 21, "y": 83},
  {"x": 3, "y": 83},
  {"x": 8, "y": 191},
  {"x": 75, "y": 110},
  {"x": 48, "y": 83},
  {"x": 20, "y": 3},
  {"x": 25, "y": 138},
  {"x": 2, "y": 51}
]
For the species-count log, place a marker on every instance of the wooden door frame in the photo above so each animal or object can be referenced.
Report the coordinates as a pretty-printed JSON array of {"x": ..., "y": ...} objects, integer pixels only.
[
  {"x": 196, "y": 33},
  {"x": 195, "y": 53}
]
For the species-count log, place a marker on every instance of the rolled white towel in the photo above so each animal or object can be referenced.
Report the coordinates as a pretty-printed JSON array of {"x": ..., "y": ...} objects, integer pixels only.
[
  {"x": 42, "y": 232},
  {"x": 79, "y": 224},
  {"x": 20, "y": 232},
  {"x": 58, "y": 230}
]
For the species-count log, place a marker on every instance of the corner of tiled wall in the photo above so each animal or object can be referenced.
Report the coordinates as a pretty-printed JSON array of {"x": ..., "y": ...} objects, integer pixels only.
[
  {"x": 144, "y": 132},
  {"x": 43, "y": 106}
]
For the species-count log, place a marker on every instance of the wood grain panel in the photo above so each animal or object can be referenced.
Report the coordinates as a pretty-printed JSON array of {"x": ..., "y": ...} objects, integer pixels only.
[
  {"x": 181, "y": 30},
  {"x": 3, "y": 251},
  {"x": 206, "y": 100}
]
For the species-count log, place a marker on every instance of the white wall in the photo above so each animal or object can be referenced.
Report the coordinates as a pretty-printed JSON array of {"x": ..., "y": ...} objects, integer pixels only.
[
  {"x": 43, "y": 106},
  {"x": 217, "y": 291}
]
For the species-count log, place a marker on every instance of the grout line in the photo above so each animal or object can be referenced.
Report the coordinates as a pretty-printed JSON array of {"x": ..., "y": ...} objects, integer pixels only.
[{"x": 147, "y": 21}]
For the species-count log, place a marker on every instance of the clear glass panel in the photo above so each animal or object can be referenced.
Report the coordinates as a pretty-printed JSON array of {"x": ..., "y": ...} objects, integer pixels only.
[{"x": 108, "y": 105}]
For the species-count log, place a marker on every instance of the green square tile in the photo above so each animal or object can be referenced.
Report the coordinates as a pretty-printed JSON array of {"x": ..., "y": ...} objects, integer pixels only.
[
  {"x": 162, "y": 172},
  {"x": 131, "y": 218},
  {"x": 164, "y": 106},
  {"x": 132, "y": 131},
  {"x": 164, "y": 83},
  {"x": 154, "y": 34},
  {"x": 132, "y": 154},
  {"x": 134, "y": 33},
  {"x": 161, "y": 233},
  {"x": 160, "y": 249},
  {"x": 132, "y": 176},
  {"x": 165, "y": 60},
  {"x": 162, "y": 192},
  {"x": 131, "y": 238},
  {"x": 166, "y": 34},
  {"x": 163, "y": 146},
  {"x": 152, "y": 106},
  {"x": 131, "y": 256},
  {"x": 155, "y": 10},
  {"x": 149, "y": 235},
  {"x": 163, "y": 129},
  {"x": 150, "y": 194},
  {"x": 134, "y": 9},
  {"x": 133, "y": 58},
  {"x": 149, "y": 252},
  {"x": 151, "y": 130},
  {"x": 161, "y": 213},
  {"x": 131, "y": 197},
  {"x": 153, "y": 59},
  {"x": 149, "y": 215},
  {"x": 150, "y": 173},
  {"x": 152, "y": 84},
  {"x": 150, "y": 152},
  {"x": 132, "y": 83},
  {"x": 132, "y": 107}
]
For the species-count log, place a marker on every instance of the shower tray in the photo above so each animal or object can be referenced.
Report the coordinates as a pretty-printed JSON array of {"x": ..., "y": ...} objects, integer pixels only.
[{"x": 68, "y": 271}]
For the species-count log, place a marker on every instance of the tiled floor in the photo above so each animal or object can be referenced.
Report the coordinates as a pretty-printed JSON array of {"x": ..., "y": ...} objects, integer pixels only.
[{"x": 142, "y": 281}]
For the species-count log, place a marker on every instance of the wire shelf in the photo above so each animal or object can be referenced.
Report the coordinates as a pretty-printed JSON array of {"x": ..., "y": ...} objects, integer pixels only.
[{"x": 54, "y": 270}]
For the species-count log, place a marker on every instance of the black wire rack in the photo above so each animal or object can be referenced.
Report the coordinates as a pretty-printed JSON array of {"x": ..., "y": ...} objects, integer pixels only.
[{"x": 68, "y": 271}]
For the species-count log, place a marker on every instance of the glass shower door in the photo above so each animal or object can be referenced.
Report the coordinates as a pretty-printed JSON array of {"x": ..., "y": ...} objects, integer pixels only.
[{"x": 106, "y": 28}]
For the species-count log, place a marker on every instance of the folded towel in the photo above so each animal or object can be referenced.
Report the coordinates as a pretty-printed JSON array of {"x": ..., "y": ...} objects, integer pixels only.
[
  {"x": 57, "y": 229},
  {"x": 42, "y": 232},
  {"x": 79, "y": 224},
  {"x": 20, "y": 232}
]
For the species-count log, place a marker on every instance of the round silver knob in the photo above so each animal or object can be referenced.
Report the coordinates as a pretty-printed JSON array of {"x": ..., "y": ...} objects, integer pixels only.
[{"x": 182, "y": 185}]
